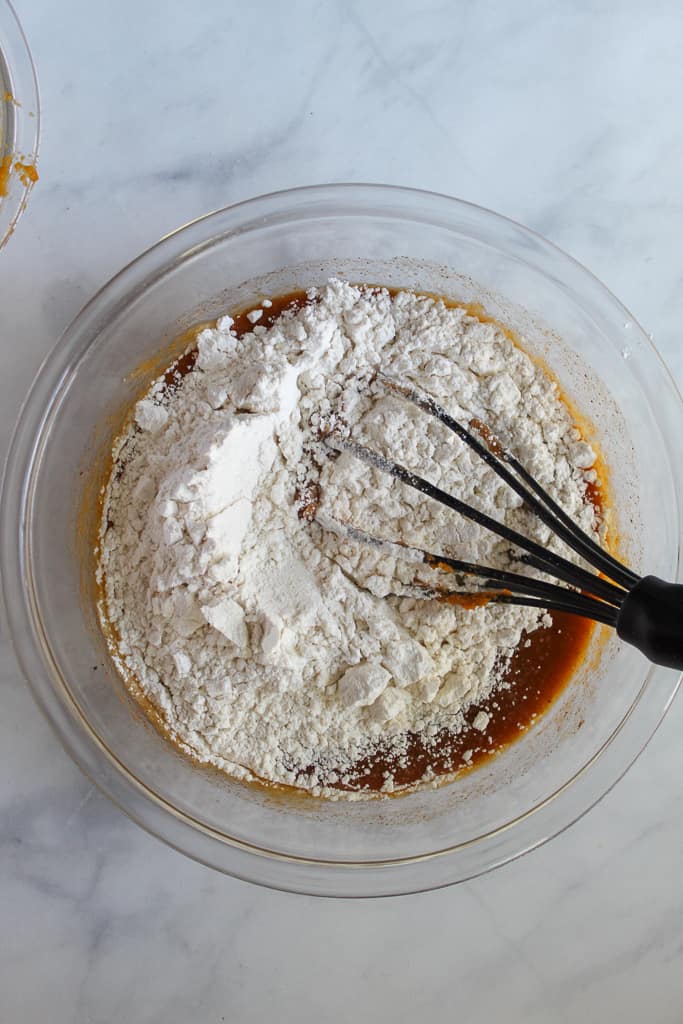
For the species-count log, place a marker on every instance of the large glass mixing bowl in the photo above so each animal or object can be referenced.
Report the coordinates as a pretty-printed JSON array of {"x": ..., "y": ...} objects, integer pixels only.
[{"x": 277, "y": 243}]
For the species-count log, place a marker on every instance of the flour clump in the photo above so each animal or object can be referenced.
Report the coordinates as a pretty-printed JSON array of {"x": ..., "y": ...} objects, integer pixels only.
[{"x": 271, "y": 645}]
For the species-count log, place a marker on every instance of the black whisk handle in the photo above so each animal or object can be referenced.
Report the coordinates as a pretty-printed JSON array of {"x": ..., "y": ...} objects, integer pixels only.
[{"x": 651, "y": 619}]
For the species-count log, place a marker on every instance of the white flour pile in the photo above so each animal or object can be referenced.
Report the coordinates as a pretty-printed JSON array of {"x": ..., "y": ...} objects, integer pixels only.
[{"x": 268, "y": 644}]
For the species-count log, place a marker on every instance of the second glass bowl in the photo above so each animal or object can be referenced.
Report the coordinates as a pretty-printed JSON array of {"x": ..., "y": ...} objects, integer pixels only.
[{"x": 19, "y": 121}]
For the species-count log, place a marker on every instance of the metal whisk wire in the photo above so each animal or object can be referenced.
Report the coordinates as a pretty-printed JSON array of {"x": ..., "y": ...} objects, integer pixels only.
[{"x": 646, "y": 612}]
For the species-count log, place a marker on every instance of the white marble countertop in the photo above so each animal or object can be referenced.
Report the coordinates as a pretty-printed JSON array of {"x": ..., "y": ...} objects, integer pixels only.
[{"x": 561, "y": 117}]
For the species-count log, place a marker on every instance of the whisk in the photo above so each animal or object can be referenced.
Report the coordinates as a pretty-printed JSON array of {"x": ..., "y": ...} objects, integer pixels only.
[{"x": 646, "y": 612}]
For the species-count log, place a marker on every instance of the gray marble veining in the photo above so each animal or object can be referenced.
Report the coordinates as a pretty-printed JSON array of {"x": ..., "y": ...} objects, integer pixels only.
[{"x": 564, "y": 115}]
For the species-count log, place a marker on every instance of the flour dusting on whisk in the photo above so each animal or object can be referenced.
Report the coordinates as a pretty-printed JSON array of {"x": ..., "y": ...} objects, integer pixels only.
[{"x": 272, "y": 646}]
